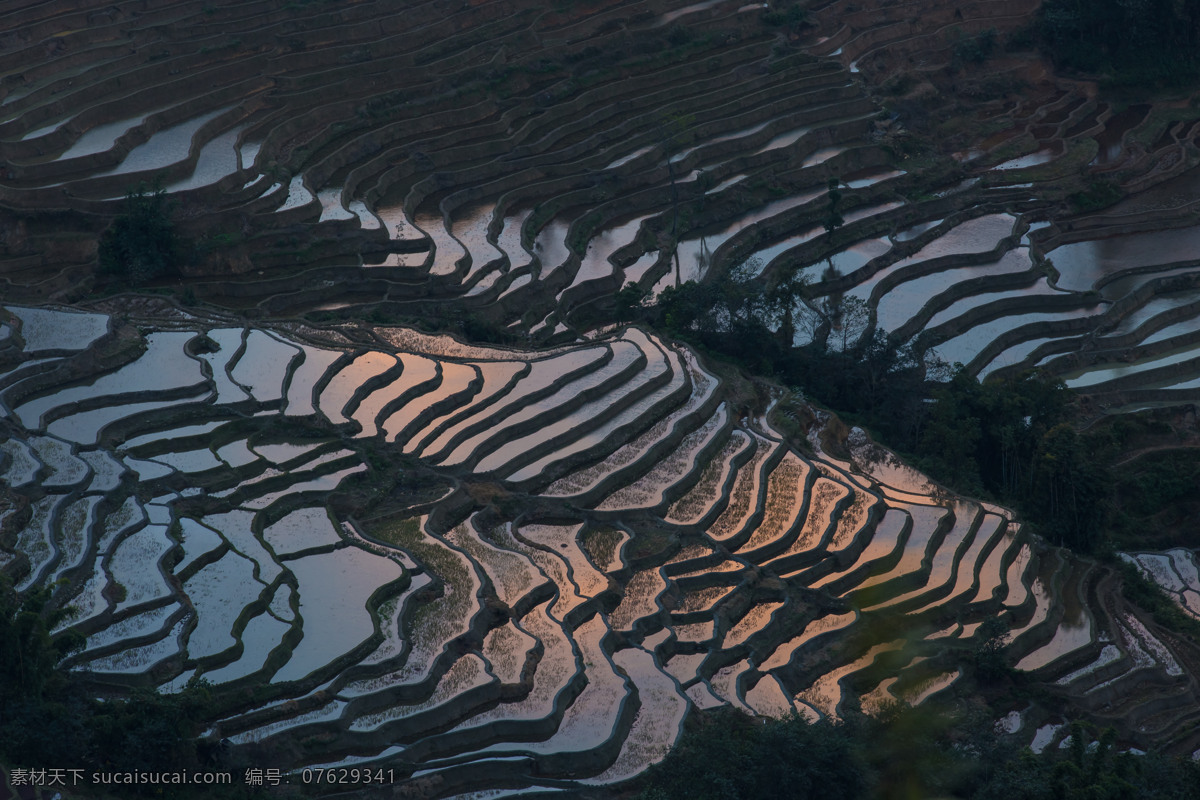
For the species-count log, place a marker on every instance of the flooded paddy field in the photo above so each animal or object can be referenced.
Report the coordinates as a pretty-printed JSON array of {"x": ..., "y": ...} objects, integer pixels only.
[
  {"x": 511, "y": 568},
  {"x": 279, "y": 536},
  {"x": 530, "y": 209}
]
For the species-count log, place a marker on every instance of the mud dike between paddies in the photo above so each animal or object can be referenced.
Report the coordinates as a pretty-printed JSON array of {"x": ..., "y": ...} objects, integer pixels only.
[{"x": 495, "y": 570}]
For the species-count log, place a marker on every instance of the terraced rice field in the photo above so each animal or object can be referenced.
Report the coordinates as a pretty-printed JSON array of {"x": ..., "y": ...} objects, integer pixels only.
[
  {"x": 532, "y": 191},
  {"x": 494, "y": 569},
  {"x": 251, "y": 524}
]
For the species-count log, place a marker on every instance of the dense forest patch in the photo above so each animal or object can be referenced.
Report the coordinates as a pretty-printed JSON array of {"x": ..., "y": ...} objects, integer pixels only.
[{"x": 1155, "y": 42}]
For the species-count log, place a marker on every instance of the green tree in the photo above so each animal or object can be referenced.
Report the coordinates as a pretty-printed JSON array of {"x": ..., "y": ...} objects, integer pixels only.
[
  {"x": 851, "y": 317},
  {"x": 833, "y": 220},
  {"x": 628, "y": 301},
  {"x": 141, "y": 244},
  {"x": 731, "y": 756},
  {"x": 781, "y": 299},
  {"x": 1089, "y": 769},
  {"x": 1069, "y": 488},
  {"x": 833, "y": 216},
  {"x": 672, "y": 131},
  {"x": 989, "y": 654},
  {"x": 1130, "y": 41},
  {"x": 27, "y": 651}
]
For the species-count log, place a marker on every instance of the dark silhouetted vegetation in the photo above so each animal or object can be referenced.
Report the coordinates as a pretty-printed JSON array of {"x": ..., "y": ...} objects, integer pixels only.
[
  {"x": 1143, "y": 42},
  {"x": 990, "y": 663},
  {"x": 50, "y": 720},
  {"x": 833, "y": 217},
  {"x": 629, "y": 300},
  {"x": 141, "y": 244},
  {"x": 903, "y": 753},
  {"x": 791, "y": 17},
  {"x": 1010, "y": 439},
  {"x": 1090, "y": 769},
  {"x": 1148, "y": 595},
  {"x": 731, "y": 756},
  {"x": 1159, "y": 482},
  {"x": 1155, "y": 491},
  {"x": 974, "y": 49},
  {"x": 1098, "y": 194},
  {"x": 27, "y": 652}
]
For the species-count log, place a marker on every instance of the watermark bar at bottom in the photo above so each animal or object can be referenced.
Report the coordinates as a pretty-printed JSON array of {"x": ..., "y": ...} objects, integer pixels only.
[
  {"x": 252, "y": 777},
  {"x": 81, "y": 777}
]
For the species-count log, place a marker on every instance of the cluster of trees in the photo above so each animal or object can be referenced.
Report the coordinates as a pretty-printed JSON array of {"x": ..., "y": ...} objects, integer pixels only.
[
  {"x": 974, "y": 49},
  {"x": 733, "y": 315},
  {"x": 1012, "y": 439},
  {"x": 1155, "y": 497},
  {"x": 1148, "y": 595},
  {"x": 142, "y": 243},
  {"x": 48, "y": 720},
  {"x": 903, "y": 753},
  {"x": 792, "y": 17},
  {"x": 1129, "y": 41},
  {"x": 1009, "y": 439}
]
